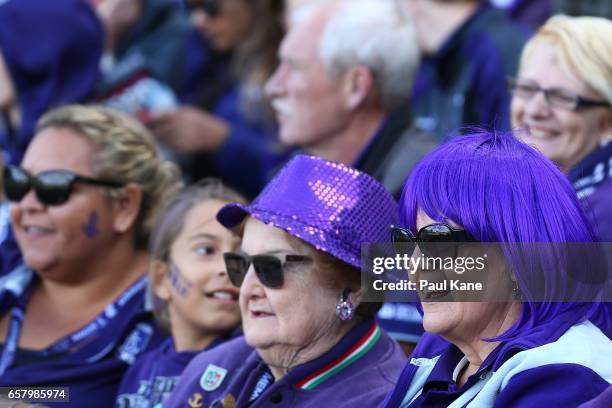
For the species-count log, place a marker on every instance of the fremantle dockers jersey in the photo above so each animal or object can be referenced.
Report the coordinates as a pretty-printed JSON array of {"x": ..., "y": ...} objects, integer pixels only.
[
  {"x": 152, "y": 378},
  {"x": 91, "y": 361}
]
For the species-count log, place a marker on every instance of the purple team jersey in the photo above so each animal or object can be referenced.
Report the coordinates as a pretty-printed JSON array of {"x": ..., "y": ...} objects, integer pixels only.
[
  {"x": 555, "y": 366},
  {"x": 91, "y": 361},
  {"x": 152, "y": 378},
  {"x": 358, "y": 371}
]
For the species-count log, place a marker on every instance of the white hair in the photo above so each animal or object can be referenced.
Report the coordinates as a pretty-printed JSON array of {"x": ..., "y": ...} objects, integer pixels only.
[
  {"x": 301, "y": 11},
  {"x": 378, "y": 34}
]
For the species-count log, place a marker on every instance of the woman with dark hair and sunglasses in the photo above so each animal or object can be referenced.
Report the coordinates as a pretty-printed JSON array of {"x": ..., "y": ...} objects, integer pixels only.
[
  {"x": 310, "y": 339},
  {"x": 83, "y": 201},
  {"x": 192, "y": 297},
  {"x": 547, "y": 343},
  {"x": 225, "y": 113},
  {"x": 562, "y": 102}
]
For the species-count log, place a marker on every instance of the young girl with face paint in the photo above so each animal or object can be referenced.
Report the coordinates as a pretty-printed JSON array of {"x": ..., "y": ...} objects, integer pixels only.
[{"x": 192, "y": 296}]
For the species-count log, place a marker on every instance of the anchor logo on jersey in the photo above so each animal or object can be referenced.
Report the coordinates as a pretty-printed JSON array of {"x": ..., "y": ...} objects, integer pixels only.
[{"x": 195, "y": 401}]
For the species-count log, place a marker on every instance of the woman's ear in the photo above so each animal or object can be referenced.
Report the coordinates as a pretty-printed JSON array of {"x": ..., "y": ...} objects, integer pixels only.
[
  {"x": 358, "y": 85},
  {"x": 356, "y": 296},
  {"x": 127, "y": 208},
  {"x": 159, "y": 284}
]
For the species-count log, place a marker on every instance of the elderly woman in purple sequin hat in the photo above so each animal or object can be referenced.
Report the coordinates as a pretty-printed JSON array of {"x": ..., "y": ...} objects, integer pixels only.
[{"x": 309, "y": 340}]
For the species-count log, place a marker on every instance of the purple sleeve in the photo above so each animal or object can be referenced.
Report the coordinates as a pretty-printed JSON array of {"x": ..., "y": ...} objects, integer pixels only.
[{"x": 552, "y": 385}]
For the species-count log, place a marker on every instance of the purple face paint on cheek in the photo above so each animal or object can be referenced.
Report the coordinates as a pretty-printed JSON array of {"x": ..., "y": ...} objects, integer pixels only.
[
  {"x": 91, "y": 228},
  {"x": 180, "y": 284}
]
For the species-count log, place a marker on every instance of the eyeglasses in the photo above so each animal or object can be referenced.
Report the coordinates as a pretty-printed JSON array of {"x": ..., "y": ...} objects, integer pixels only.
[
  {"x": 561, "y": 98},
  {"x": 211, "y": 7},
  {"x": 443, "y": 238},
  {"x": 52, "y": 187},
  {"x": 268, "y": 268}
]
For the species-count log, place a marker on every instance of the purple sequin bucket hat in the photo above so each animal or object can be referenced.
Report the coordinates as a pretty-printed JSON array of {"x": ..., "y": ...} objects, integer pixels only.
[{"x": 331, "y": 206}]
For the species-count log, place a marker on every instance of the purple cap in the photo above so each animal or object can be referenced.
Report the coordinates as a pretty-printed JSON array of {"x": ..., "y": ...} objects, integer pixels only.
[{"x": 331, "y": 206}]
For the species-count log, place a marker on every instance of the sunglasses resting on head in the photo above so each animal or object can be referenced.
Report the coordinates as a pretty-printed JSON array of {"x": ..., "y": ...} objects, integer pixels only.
[{"x": 52, "y": 187}]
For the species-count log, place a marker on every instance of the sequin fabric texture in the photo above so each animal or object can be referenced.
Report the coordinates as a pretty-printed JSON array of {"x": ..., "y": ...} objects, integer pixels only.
[{"x": 331, "y": 206}]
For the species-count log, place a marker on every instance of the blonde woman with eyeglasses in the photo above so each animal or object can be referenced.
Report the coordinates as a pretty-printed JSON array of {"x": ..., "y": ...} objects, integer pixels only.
[{"x": 562, "y": 104}]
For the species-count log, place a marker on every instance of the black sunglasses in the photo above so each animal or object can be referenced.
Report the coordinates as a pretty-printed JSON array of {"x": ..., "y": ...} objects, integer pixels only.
[
  {"x": 443, "y": 238},
  {"x": 52, "y": 187},
  {"x": 268, "y": 268},
  {"x": 211, "y": 7}
]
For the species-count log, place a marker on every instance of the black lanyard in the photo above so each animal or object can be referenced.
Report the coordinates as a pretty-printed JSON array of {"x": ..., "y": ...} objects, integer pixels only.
[{"x": 265, "y": 381}]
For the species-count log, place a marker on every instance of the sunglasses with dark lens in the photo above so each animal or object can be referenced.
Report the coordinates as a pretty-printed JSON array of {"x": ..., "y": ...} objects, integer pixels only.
[
  {"x": 211, "y": 7},
  {"x": 442, "y": 237},
  {"x": 268, "y": 268},
  {"x": 52, "y": 187}
]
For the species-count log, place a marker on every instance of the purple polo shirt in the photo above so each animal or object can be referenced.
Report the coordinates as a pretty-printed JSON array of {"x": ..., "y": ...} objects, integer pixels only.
[
  {"x": 592, "y": 179},
  {"x": 358, "y": 371},
  {"x": 93, "y": 366},
  {"x": 554, "y": 366},
  {"x": 152, "y": 378}
]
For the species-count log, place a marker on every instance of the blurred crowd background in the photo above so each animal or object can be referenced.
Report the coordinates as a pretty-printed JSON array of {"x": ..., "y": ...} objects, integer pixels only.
[{"x": 233, "y": 89}]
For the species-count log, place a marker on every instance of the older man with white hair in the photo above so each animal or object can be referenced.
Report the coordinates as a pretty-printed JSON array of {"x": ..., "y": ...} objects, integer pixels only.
[{"x": 341, "y": 91}]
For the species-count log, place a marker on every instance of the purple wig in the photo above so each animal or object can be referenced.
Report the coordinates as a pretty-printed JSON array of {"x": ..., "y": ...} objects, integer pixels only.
[{"x": 502, "y": 190}]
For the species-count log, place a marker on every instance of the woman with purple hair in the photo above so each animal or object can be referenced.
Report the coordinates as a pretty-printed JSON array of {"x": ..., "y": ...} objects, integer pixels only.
[{"x": 545, "y": 345}]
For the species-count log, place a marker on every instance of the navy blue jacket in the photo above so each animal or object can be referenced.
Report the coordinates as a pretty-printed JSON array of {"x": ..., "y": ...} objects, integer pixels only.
[{"x": 464, "y": 83}]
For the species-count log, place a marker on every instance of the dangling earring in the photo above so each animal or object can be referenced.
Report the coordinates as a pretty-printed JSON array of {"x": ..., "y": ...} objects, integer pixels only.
[{"x": 344, "y": 307}]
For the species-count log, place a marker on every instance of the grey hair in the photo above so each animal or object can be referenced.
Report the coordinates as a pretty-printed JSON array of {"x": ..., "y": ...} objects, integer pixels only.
[{"x": 378, "y": 34}]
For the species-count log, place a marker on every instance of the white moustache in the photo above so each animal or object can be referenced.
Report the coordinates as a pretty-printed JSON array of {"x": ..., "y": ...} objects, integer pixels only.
[{"x": 281, "y": 107}]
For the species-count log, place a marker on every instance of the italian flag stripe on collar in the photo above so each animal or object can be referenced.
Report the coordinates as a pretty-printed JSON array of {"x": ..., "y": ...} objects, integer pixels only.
[{"x": 352, "y": 355}]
